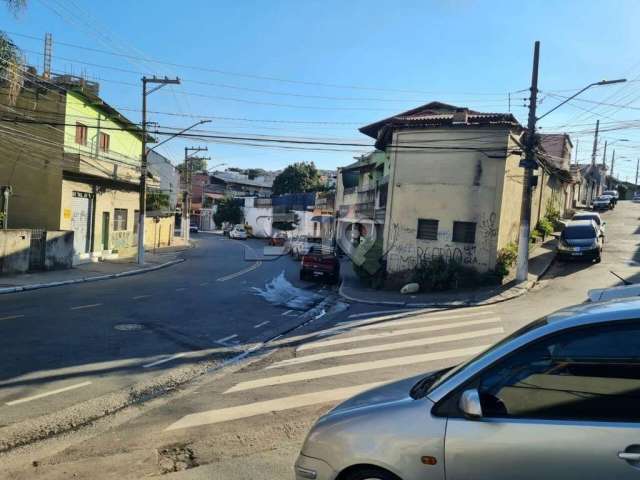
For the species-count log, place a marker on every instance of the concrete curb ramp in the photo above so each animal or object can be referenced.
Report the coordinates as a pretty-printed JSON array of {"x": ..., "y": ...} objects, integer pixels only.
[{"x": 128, "y": 273}]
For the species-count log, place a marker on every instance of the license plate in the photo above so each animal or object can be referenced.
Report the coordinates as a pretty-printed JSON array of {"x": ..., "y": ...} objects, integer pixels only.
[
  {"x": 317, "y": 274},
  {"x": 576, "y": 254}
]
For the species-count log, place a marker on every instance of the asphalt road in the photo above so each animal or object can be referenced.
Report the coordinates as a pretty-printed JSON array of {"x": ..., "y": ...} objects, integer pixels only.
[
  {"x": 249, "y": 420},
  {"x": 60, "y": 346}
]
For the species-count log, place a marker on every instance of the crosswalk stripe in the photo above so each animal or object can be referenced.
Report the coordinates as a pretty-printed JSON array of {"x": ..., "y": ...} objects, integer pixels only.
[
  {"x": 395, "y": 333},
  {"x": 276, "y": 405},
  {"x": 370, "y": 325},
  {"x": 388, "y": 346},
  {"x": 355, "y": 367}
]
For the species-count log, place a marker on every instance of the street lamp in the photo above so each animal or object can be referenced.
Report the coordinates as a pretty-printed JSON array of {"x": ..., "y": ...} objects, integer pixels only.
[{"x": 529, "y": 163}]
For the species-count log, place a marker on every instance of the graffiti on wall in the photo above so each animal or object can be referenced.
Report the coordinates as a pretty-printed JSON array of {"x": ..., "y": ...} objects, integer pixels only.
[{"x": 487, "y": 231}]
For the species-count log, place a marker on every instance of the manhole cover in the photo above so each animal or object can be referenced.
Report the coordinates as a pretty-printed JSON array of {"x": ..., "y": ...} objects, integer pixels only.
[{"x": 129, "y": 327}]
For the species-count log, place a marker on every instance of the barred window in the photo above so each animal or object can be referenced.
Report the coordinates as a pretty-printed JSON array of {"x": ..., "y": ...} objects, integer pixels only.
[
  {"x": 119, "y": 219},
  {"x": 464, "y": 232},
  {"x": 427, "y": 229}
]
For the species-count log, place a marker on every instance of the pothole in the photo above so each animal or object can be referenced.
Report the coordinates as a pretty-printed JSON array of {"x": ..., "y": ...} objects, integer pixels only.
[
  {"x": 175, "y": 458},
  {"x": 128, "y": 327}
]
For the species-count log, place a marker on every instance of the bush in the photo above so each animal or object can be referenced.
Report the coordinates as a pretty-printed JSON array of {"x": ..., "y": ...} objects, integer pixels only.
[
  {"x": 368, "y": 265},
  {"x": 507, "y": 257},
  {"x": 552, "y": 214},
  {"x": 545, "y": 227},
  {"x": 439, "y": 274}
]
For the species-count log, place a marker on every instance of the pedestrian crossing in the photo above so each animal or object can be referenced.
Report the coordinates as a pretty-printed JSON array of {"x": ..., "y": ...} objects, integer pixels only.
[{"x": 350, "y": 358}]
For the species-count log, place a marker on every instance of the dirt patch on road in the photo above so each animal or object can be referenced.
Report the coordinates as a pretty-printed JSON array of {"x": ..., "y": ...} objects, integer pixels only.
[{"x": 175, "y": 458}]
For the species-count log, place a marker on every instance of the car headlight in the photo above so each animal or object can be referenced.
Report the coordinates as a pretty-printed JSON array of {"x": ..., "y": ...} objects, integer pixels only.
[{"x": 563, "y": 246}]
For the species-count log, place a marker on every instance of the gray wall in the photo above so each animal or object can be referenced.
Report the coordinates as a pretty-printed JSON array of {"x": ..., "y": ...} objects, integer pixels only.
[
  {"x": 15, "y": 246},
  {"x": 161, "y": 168},
  {"x": 58, "y": 249}
]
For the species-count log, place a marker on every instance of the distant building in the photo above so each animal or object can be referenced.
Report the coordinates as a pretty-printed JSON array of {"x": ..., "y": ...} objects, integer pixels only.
[
  {"x": 166, "y": 174},
  {"x": 232, "y": 184}
]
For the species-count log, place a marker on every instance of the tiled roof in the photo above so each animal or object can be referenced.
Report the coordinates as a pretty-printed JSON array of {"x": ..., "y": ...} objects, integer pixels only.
[{"x": 440, "y": 114}]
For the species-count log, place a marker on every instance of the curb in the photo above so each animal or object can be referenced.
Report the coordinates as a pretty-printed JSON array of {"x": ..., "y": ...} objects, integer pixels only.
[
  {"x": 520, "y": 291},
  {"x": 128, "y": 273}
]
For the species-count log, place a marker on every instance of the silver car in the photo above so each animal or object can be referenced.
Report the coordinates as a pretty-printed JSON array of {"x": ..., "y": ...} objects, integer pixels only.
[{"x": 558, "y": 399}]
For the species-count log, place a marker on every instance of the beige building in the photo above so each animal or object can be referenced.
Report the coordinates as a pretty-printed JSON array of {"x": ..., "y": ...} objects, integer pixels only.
[
  {"x": 455, "y": 185},
  {"x": 73, "y": 163}
]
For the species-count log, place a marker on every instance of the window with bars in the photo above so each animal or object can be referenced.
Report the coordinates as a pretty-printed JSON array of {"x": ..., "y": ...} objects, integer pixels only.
[
  {"x": 119, "y": 219},
  {"x": 104, "y": 141},
  {"x": 427, "y": 229},
  {"x": 464, "y": 232},
  {"x": 81, "y": 133}
]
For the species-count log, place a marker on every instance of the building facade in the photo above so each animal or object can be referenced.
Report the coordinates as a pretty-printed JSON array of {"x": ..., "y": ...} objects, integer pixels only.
[
  {"x": 73, "y": 163},
  {"x": 454, "y": 185}
]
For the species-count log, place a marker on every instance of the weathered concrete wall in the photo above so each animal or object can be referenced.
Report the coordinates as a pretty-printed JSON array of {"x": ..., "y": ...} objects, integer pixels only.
[
  {"x": 58, "y": 253},
  {"x": 446, "y": 185},
  {"x": 260, "y": 220},
  {"x": 158, "y": 233},
  {"x": 15, "y": 245}
]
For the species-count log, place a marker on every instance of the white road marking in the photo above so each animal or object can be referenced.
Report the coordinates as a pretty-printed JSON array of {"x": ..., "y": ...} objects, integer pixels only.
[
  {"x": 322, "y": 314},
  {"x": 381, "y": 312},
  {"x": 179, "y": 289},
  {"x": 395, "y": 333},
  {"x": 241, "y": 272},
  {"x": 419, "y": 319},
  {"x": 11, "y": 317},
  {"x": 46, "y": 394},
  {"x": 164, "y": 360},
  {"x": 226, "y": 339},
  {"x": 140, "y": 297},
  {"x": 276, "y": 405},
  {"x": 388, "y": 346},
  {"x": 80, "y": 307},
  {"x": 261, "y": 324},
  {"x": 286, "y": 313},
  {"x": 203, "y": 284},
  {"x": 355, "y": 367}
]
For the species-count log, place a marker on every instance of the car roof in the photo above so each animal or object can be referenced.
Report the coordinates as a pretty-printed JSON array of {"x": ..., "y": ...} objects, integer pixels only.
[
  {"x": 586, "y": 214},
  {"x": 613, "y": 310},
  {"x": 580, "y": 223}
]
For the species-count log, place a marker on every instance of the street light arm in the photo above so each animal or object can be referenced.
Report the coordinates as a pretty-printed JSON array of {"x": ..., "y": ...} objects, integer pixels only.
[
  {"x": 179, "y": 133},
  {"x": 603, "y": 82}
]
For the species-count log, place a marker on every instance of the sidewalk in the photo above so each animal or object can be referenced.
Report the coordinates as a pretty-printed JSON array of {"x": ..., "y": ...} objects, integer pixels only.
[
  {"x": 91, "y": 272},
  {"x": 540, "y": 260}
]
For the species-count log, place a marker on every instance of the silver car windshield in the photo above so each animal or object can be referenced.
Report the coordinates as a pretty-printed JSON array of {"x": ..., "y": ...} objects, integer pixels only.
[{"x": 478, "y": 358}]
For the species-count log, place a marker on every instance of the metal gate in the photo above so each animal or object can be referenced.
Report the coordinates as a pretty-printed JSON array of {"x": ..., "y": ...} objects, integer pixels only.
[
  {"x": 81, "y": 222},
  {"x": 37, "y": 250}
]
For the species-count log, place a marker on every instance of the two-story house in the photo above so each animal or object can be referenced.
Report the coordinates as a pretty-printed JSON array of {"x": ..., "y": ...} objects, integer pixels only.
[
  {"x": 73, "y": 163},
  {"x": 454, "y": 185}
]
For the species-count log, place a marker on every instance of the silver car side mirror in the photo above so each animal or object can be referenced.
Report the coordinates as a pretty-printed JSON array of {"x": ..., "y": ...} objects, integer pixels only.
[{"x": 470, "y": 404}]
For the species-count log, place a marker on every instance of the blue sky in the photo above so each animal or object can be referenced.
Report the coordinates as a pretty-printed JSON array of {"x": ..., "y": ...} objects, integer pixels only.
[{"x": 398, "y": 55}]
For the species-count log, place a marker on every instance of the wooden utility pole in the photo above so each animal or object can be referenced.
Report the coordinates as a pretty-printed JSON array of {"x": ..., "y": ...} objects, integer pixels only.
[{"x": 529, "y": 163}]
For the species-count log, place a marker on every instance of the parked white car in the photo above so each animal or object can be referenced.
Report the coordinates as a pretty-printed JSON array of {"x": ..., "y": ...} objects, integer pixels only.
[{"x": 238, "y": 233}]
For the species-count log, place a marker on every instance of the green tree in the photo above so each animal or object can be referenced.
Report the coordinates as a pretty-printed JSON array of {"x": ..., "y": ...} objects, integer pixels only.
[
  {"x": 228, "y": 211},
  {"x": 11, "y": 57},
  {"x": 298, "y": 178},
  {"x": 197, "y": 165},
  {"x": 158, "y": 201}
]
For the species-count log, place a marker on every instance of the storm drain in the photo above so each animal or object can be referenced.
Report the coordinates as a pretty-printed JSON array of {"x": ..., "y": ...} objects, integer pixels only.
[
  {"x": 128, "y": 327},
  {"x": 175, "y": 458}
]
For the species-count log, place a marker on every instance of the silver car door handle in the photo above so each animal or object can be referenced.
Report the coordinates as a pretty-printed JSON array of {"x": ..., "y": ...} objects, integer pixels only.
[{"x": 633, "y": 457}]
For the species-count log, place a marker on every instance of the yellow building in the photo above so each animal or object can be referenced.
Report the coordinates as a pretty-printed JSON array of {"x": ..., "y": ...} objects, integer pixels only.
[
  {"x": 455, "y": 185},
  {"x": 73, "y": 163}
]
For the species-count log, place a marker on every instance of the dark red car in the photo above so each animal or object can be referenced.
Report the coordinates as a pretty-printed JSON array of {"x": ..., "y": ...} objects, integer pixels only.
[{"x": 320, "y": 262}]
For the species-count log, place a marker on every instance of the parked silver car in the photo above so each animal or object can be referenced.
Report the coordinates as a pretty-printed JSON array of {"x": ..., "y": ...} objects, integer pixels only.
[{"x": 558, "y": 399}]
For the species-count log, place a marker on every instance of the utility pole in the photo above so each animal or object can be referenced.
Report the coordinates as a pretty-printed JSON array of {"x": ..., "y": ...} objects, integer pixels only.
[
  {"x": 161, "y": 82},
  {"x": 604, "y": 156},
  {"x": 46, "y": 58},
  {"x": 595, "y": 144},
  {"x": 529, "y": 163},
  {"x": 577, "y": 143},
  {"x": 613, "y": 161},
  {"x": 637, "y": 167},
  {"x": 186, "y": 215}
]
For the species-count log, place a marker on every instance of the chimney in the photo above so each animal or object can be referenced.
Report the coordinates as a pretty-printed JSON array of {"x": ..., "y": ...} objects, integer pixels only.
[{"x": 460, "y": 116}]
